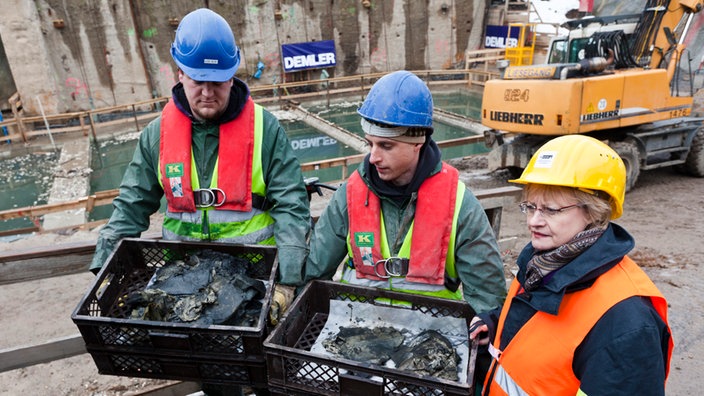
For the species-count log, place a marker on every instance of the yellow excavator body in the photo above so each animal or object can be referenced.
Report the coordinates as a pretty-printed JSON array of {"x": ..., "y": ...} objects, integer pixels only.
[{"x": 580, "y": 105}]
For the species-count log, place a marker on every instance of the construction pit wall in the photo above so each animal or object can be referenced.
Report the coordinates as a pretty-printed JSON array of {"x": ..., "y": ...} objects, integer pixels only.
[{"x": 73, "y": 55}]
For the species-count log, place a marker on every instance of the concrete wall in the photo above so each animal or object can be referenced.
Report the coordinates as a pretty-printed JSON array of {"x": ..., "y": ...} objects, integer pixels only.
[
  {"x": 7, "y": 83},
  {"x": 73, "y": 55},
  {"x": 77, "y": 55}
]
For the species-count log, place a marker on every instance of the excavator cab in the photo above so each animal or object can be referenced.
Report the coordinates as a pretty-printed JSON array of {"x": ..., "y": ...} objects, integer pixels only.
[{"x": 572, "y": 48}]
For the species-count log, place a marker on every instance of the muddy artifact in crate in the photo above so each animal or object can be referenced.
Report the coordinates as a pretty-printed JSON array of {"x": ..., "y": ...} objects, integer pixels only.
[
  {"x": 216, "y": 353},
  {"x": 393, "y": 337},
  {"x": 428, "y": 353},
  {"x": 423, "y": 337},
  {"x": 203, "y": 288}
]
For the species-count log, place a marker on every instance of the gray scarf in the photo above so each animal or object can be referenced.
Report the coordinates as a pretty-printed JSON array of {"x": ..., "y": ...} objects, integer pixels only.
[{"x": 542, "y": 264}]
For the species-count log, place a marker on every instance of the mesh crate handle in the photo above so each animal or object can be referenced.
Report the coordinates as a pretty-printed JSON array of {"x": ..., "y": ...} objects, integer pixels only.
[
  {"x": 358, "y": 386},
  {"x": 472, "y": 364},
  {"x": 170, "y": 340}
]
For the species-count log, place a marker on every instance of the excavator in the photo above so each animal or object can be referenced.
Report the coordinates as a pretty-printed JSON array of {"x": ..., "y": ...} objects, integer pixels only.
[{"x": 615, "y": 78}]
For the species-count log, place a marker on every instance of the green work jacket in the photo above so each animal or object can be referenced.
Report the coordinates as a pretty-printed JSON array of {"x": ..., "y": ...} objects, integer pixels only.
[{"x": 141, "y": 192}]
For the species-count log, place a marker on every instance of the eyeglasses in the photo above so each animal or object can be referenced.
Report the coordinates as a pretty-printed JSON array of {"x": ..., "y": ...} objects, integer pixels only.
[{"x": 530, "y": 209}]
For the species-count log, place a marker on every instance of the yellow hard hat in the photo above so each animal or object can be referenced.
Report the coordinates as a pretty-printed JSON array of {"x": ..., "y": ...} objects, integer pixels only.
[{"x": 581, "y": 162}]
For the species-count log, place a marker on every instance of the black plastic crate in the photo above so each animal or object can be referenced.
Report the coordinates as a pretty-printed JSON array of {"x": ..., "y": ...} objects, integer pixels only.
[
  {"x": 293, "y": 369},
  {"x": 120, "y": 345}
]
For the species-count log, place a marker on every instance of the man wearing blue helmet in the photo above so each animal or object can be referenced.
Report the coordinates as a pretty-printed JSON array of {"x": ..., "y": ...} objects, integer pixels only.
[
  {"x": 223, "y": 163},
  {"x": 403, "y": 221}
]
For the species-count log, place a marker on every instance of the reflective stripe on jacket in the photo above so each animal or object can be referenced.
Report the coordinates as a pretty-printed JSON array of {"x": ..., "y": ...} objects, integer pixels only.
[
  {"x": 239, "y": 158},
  {"x": 431, "y": 260},
  {"x": 538, "y": 360}
]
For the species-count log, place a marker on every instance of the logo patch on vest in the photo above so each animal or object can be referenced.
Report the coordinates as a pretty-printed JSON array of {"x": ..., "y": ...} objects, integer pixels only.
[
  {"x": 174, "y": 170},
  {"x": 365, "y": 242},
  {"x": 364, "y": 239}
]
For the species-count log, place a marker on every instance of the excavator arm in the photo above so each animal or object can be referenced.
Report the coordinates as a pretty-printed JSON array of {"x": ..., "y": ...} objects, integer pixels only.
[{"x": 661, "y": 32}]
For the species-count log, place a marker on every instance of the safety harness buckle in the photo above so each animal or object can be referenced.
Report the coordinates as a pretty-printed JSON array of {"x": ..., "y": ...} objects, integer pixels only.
[
  {"x": 207, "y": 197},
  {"x": 393, "y": 266}
]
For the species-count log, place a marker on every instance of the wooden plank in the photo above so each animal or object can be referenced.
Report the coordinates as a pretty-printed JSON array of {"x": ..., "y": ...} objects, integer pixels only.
[
  {"x": 45, "y": 262},
  {"x": 20, "y": 231},
  {"x": 510, "y": 191},
  {"x": 329, "y": 163},
  {"x": 333, "y": 130},
  {"x": 97, "y": 199},
  {"x": 493, "y": 201},
  {"x": 485, "y": 51},
  {"x": 61, "y": 348},
  {"x": 357, "y": 158},
  {"x": 173, "y": 389},
  {"x": 73, "y": 345}
]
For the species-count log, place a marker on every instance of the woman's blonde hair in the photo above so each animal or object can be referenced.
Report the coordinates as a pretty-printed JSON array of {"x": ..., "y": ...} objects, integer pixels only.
[{"x": 597, "y": 205}]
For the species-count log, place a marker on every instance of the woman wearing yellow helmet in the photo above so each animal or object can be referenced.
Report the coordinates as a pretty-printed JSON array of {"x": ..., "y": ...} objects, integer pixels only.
[{"x": 580, "y": 317}]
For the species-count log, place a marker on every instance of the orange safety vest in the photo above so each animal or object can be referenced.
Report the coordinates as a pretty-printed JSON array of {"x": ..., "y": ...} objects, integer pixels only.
[
  {"x": 433, "y": 218},
  {"x": 235, "y": 153},
  {"x": 538, "y": 360}
]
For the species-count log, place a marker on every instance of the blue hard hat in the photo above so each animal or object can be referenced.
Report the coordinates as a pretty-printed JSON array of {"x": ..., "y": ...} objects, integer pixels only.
[
  {"x": 400, "y": 99},
  {"x": 204, "y": 47}
]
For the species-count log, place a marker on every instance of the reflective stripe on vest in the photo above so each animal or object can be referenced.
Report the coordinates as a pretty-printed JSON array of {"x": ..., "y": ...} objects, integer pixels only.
[
  {"x": 538, "y": 360},
  {"x": 254, "y": 226},
  {"x": 430, "y": 257}
]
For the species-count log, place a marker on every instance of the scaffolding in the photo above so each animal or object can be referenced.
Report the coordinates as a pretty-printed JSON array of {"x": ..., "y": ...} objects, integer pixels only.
[{"x": 522, "y": 53}]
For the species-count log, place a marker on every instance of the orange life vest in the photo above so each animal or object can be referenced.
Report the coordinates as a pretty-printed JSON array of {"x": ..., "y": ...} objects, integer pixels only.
[
  {"x": 235, "y": 153},
  {"x": 435, "y": 209},
  {"x": 538, "y": 360}
]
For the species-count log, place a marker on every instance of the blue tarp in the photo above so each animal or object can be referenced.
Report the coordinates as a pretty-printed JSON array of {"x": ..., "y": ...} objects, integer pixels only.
[{"x": 4, "y": 129}]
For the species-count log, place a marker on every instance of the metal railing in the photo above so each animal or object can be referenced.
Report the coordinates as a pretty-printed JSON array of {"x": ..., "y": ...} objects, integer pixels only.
[{"x": 22, "y": 128}]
